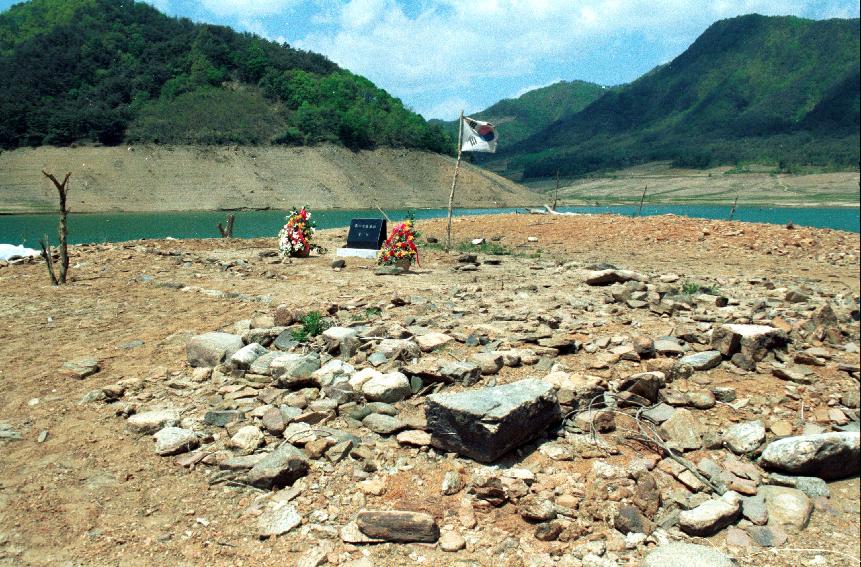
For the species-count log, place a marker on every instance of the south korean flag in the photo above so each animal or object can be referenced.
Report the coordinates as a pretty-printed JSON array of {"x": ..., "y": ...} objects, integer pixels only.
[{"x": 478, "y": 136}]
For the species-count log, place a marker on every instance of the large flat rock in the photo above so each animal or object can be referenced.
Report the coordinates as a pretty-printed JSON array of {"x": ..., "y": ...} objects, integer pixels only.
[
  {"x": 753, "y": 341},
  {"x": 825, "y": 455},
  {"x": 686, "y": 555},
  {"x": 487, "y": 423},
  {"x": 211, "y": 349}
]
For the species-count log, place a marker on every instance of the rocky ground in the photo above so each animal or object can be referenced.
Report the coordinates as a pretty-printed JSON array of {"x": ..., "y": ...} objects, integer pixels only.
[{"x": 574, "y": 391}]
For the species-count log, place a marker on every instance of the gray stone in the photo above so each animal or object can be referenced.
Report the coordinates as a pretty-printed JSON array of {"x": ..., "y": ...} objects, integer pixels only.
[
  {"x": 753, "y": 508},
  {"x": 767, "y": 536},
  {"x": 684, "y": 430},
  {"x": 828, "y": 456},
  {"x": 383, "y": 424},
  {"x": 753, "y": 341},
  {"x": 710, "y": 517},
  {"x": 285, "y": 341},
  {"x": 725, "y": 394},
  {"x": 222, "y": 418},
  {"x": 390, "y": 388},
  {"x": 465, "y": 373},
  {"x": 245, "y": 357},
  {"x": 746, "y": 437},
  {"x": 211, "y": 349},
  {"x": 175, "y": 440},
  {"x": 705, "y": 360},
  {"x": 433, "y": 340},
  {"x": 261, "y": 364},
  {"x": 670, "y": 346},
  {"x": 631, "y": 520},
  {"x": 398, "y": 526},
  {"x": 399, "y": 349},
  {"x": 686, "y": 555},
  {"x": 80, "y": 369},
  {"x": 644, "y": 384},
  {"x": 279, "y": 468},
  {"x": 278, "y": 520},
  {"x": 534, "y": 509},
  {"x": 485, "y": 424},
  {"x": 291, "y": 370},
  {"x": 151, "y": 421},
  {"x": 812, "y": 486},
  {"x": 659, "y": 414},
  {"x": 247, "y": 439},
  {"x": 342, "y": 340}
]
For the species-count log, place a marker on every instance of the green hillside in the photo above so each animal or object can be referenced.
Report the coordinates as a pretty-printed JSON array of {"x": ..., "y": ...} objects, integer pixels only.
[
  {"x": 115, "y": 71},
  {"x": 780, "y": 90},
  {"x": 519, "y": 118}
]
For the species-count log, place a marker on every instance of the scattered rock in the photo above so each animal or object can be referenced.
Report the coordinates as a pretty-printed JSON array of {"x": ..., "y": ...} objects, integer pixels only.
[
  {"x": 744, "y": 438},
  {"x": 787, "y": 507},
  {"x": 710, "y": 517},
  {"x": 152, "y": 421},
  {"x": 825, "y": 455},
  {"x": 278, "y": 520},
  {"x": 80, "y": 369},
  {"x": 281, "y": 467},
  {"x": 683, "y": 430},
  {"x": 389, "y": 388},
  {"x": 175, "y": 440},
  {"x": 705, "y": 360},
  {"x": 398, "y": 526},
  {"x": 686, "y": 555},
  {"x": 485, "y": 424},
  {"x": 211, "y": 349}
]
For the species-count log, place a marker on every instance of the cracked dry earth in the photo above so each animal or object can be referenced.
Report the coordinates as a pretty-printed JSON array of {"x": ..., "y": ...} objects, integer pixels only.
[{"x": 77, "y": 487}]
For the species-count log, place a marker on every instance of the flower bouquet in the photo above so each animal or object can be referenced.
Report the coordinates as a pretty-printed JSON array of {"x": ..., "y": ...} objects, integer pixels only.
[
  {"x": 400, "y": 248},
  {"x": 294, "y": 240}
]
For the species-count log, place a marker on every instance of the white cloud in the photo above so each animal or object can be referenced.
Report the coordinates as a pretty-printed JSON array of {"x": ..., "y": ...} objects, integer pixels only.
[
  {"x": 246, "y": 8},
  {"x": 452, "y": 44}
]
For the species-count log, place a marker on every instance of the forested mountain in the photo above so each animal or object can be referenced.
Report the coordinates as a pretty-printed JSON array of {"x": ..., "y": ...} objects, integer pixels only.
[
  {"x": 780, "y": 90},
  {"x": 115, "y": 71},
  {"x": 518, "y": 118}
]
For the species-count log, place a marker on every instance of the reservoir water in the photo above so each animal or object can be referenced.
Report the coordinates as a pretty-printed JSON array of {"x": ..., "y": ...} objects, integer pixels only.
[{"x": 117, "y": 227}]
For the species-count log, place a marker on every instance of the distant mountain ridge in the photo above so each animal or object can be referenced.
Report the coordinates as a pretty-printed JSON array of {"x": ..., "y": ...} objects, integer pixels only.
[
  {"x": 518, "y": 118},
  {"x": 116, "y": 71},
  {"x": 780, "y": 90}
]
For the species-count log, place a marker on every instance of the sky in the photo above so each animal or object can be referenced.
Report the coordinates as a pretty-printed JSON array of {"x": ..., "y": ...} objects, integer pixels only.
[{"x": 443, "y": 56}]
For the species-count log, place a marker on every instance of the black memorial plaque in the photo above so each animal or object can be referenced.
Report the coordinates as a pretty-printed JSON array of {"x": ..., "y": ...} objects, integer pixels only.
[{"x": 368, "y": 234}]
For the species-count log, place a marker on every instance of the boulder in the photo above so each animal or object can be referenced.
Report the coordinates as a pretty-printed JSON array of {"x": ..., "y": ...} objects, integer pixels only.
[
  {"x": 711, "y": 516},
  {"x": 175, "y": 440},
  {"x": 278, "y": 520},
  {"x": 390, "y": 388},
  {"x": 485, "y": 424},
  {"x": 609, "y": 277},
  {"x": 788, "y": 508},
  {"x": 342, "y": 340},
  {"x": 211, "y": 349},
  {"x": 683, "y": 429},
  {"x": 151, "y": 421},
  {"x": 753, "y": 341},
  {"x": 745, "y": 437},
  {"x": 281, "y": 467},
  {"x": 291, "y": 370},
  {"x": 489, "y": 362},
  {"x": 433, "y": 340},
  {"x": 398, "y": 526},
  {"x": 828, "y": 456},
  {"x": 243, "y": 358},
  {"x": 705, "y": 360}
]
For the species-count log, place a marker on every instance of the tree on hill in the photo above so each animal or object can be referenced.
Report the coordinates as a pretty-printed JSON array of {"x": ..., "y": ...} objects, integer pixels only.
[{"x": 113, "y": 71}]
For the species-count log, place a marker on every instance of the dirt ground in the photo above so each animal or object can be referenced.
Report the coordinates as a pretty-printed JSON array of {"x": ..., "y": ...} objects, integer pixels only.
[
  {"x": 206, "y": 178},
  {"x": 93, "y": 494}
]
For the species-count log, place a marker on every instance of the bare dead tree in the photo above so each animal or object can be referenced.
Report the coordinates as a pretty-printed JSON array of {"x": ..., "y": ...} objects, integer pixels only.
[
  {"x": 228, "y": 231},
  {"x": 63, "y": 191}
]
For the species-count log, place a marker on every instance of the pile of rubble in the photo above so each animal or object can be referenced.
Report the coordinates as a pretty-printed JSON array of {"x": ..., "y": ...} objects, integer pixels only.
[{"x": 502, "y": 396}]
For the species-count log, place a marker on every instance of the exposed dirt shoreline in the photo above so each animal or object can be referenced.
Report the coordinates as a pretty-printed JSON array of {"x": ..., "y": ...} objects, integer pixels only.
[
  {"x": 92, "y": 493},
  {"x": 196, "y": 178}
]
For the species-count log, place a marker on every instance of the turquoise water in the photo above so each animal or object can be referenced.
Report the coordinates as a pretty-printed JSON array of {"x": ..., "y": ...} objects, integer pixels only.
[{"x": 116, "y": 227}]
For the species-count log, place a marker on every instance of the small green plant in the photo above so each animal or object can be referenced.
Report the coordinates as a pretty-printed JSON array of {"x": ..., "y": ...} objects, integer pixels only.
[
  {"x": 372, "y": 312},
  {"x": 312, "y": 325},
  {"x": 690, "y": 288}
]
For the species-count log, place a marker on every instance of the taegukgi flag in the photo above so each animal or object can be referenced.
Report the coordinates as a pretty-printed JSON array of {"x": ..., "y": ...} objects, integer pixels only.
[{"x": 478, "y": 136}]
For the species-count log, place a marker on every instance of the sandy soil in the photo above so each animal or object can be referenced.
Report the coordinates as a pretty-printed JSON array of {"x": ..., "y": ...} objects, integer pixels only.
[
  {"x": 719, "y": 185},
  {"x": 93, "y": 494},
  {"x": 186, "y": 178}
]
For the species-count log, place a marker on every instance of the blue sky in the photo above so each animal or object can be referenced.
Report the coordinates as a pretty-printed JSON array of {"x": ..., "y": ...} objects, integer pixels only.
[{"x": 441, "y": 56}]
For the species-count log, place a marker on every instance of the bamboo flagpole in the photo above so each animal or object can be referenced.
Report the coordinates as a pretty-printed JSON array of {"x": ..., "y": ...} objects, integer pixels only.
[{"x": 454, "y": 179}]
